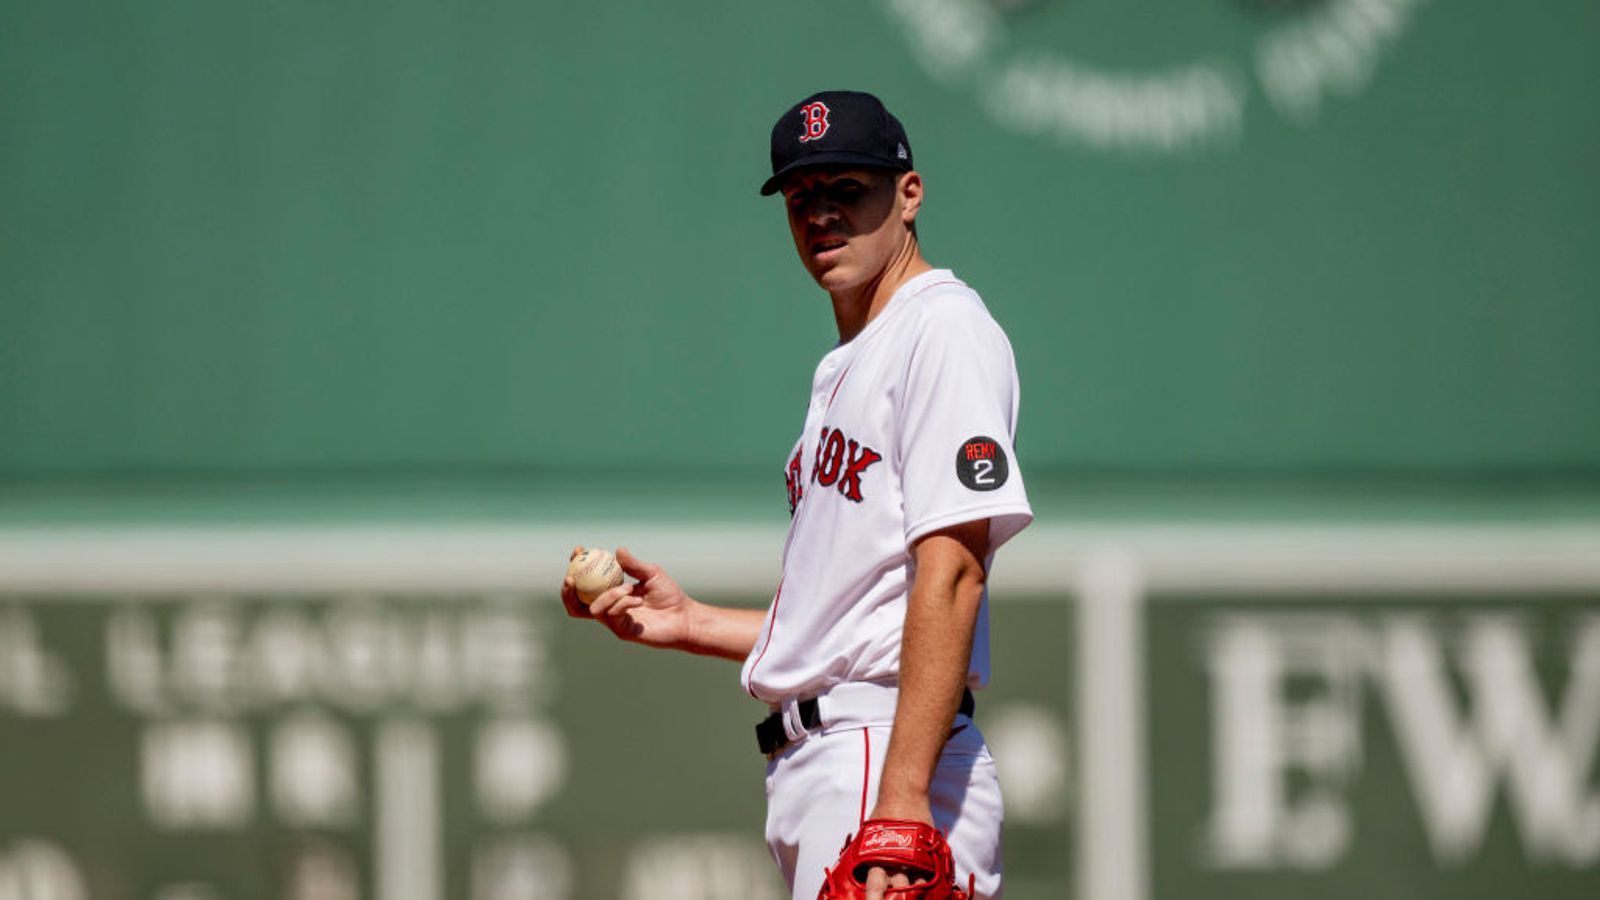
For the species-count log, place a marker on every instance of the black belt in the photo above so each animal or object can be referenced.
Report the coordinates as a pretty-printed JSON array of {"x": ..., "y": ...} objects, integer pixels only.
[{"x": 771, "y": 737}]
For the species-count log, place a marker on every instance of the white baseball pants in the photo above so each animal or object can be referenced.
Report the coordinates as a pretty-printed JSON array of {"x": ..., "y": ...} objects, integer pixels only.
[{"x": 820, "y": 789}]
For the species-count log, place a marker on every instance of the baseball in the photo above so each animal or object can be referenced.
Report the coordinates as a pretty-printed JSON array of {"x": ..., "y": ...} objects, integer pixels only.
[{"x": 593, "y": 571}]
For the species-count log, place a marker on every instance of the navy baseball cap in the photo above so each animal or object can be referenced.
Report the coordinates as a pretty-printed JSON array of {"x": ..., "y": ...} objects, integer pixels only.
[{"x": 837, "y": 128}]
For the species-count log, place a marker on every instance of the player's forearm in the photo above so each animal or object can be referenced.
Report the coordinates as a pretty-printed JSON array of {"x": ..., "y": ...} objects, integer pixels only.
[
  {"x": 726, "y": 631},
  {"x": 935, "y": 655}
]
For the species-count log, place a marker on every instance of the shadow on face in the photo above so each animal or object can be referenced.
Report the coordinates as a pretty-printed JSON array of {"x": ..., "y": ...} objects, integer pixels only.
[
  {"x": 864, "y": 196},
  {"x": 843, "y": 216}
]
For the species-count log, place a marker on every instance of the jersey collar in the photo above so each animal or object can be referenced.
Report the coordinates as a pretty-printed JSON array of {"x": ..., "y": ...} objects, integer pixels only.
[{"x": 897, "y": 301}]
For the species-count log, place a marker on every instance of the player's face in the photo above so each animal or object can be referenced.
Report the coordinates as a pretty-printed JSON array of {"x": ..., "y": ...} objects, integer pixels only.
[{"x": 848, "y": 224}]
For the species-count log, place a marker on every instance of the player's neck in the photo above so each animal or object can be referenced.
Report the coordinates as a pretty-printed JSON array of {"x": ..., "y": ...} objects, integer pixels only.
[{"x": 854, "y": 309}]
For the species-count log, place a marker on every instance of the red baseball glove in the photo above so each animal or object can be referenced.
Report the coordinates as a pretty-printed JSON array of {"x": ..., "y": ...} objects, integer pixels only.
[{"x": 898, "y": 843}]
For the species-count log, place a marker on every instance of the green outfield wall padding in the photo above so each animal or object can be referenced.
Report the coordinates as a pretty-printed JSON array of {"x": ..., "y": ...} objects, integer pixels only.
[{"x": 1261, "y": 237}]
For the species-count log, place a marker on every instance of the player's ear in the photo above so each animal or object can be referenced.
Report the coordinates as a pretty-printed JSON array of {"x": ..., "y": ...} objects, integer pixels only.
[{"x": 909, "y": 189}]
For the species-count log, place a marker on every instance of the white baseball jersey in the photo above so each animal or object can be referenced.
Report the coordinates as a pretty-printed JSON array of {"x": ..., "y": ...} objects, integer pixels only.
[{"x": 911, "y": 429}]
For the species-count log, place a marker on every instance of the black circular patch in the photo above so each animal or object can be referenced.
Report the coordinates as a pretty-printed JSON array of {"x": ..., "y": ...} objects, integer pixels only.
[{"x": 981, "y": 464}]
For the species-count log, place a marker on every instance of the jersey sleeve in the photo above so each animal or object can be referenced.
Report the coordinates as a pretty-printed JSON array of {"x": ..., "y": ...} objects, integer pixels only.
[{"x": 958, "y": 426}]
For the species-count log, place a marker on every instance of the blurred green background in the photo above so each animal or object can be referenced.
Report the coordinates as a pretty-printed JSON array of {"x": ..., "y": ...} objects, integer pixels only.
[{"x": 310, "y": 239}]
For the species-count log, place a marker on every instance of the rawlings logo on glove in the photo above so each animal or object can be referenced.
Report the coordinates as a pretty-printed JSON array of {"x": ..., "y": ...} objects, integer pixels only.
[
  {"x": 889, "y": 836},
  {"x": 899, "y": 844}
]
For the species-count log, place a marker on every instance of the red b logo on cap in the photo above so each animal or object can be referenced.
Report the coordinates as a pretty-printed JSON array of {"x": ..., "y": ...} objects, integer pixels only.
[{"x": 815, "y": 115}]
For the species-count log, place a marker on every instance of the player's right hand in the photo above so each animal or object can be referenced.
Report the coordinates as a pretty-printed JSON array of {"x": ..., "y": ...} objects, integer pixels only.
[
  {"x": 652, "y": 610},
  {"x": 569, "y": 593}
]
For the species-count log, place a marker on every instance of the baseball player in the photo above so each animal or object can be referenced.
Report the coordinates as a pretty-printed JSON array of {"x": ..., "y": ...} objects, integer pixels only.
[{"x": 902, "y": 485}]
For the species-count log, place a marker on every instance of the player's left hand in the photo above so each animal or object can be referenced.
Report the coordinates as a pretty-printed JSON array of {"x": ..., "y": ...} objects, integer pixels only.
[
  {"x": 909, "y": 859},
  {"x": 879, "y": 879}
]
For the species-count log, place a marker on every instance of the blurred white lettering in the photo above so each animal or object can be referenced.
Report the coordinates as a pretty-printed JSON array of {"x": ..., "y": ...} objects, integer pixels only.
[
  {"x": 1164, "y": 111},
  {"x": 33, "y": 682},
  {"x": 520, "y": 763},
  {"x": 700, "y": 867},
  {"x": 1286, "y": 706},
  {"x": 1259, "y": 737},
  {"x": 1455, "y": 759},
  {"x": 205, "y": 655},
  {"x": 523, "y": 867},
  {"x": 38, "y": 870},
  {"x": 1334, "y": 51},
  {"x": 355, "y": 654},
  {"x": 133, "y": 660},
  {"x": 198, "y": 774},
  {"x": 314, "y": 778},
  {"x": 949, "y": 36}
]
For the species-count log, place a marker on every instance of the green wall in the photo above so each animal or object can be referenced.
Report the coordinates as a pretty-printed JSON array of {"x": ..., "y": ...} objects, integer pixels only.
[{"x": 266, "y": 238}]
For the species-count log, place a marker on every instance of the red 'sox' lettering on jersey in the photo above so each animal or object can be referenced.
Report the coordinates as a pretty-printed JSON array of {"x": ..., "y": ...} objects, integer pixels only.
[
  {"x": 850, "y": 484},
  {"x": 842, "y": 461},
  {"x": 830, "y": 457},
  {"x": 793, "y": 477},
  {"x": 814, "y": 116}
]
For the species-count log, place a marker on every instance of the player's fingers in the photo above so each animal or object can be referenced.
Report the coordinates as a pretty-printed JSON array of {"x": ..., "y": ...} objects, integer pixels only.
[
  {"x": 608, "y": 598},
  {"x": 636, "y": 567},
  {"x": 575, "y": 605},
  {"x": 576, "y": 549},
  {"x": 877, "y": 881},
  {"x": 623, "y": 604}
]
